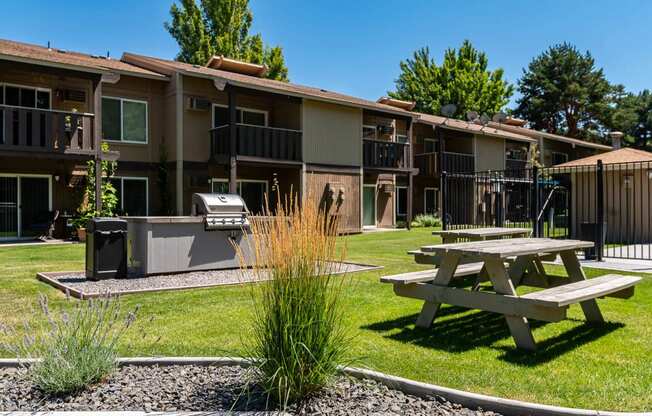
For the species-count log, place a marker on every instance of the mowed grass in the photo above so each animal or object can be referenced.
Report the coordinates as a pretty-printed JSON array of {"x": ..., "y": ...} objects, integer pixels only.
[{"x": 606, "y": 367}]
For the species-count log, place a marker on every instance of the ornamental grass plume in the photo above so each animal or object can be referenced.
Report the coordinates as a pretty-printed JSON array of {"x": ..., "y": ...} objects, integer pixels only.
[{"x": 297, "y": 338}]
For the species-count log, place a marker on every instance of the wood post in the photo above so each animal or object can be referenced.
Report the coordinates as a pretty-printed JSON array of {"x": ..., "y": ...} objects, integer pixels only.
[
  {"x": 233, "y": 139},
  {"x": 599, "y": 210},
  {"x": 576, "y": 274},
  {"x": 97, "y": 141},
  {"x": 410, "y": 164}
]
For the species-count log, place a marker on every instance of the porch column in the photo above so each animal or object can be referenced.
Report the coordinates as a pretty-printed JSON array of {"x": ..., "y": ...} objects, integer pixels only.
[
  {"x": 233, "y": 163},
  {"x": 410, "y": 165},
  {"x": 97, "y": 141}
]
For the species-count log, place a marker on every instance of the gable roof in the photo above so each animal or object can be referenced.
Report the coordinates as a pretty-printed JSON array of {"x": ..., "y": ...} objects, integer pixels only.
[
  {"x": 626, "y": 154},
  {"x": 460, "y": 125},
  {"x": 263, "y": 84},
  {"x": 39, "y": 55}
]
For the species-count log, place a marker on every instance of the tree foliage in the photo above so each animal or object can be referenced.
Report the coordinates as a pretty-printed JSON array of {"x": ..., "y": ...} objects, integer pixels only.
[
  {"x": 221, "y": 27},
  {"x": 462, "y": 79},
  {"x": 563, "y": 92},
  {"x": 632, "y": 115}
]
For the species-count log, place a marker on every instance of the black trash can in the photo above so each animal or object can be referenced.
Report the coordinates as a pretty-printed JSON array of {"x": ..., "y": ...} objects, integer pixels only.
[
  {"x": 106, "y": 249},
  {"x": 589, "y": 232}
]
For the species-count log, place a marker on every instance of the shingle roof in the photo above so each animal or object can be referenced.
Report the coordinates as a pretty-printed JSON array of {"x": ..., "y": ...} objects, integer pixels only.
[
  {"x": 264, "y": 84},
  {"x": 24, "y": 52},
  {"x": 460, "y": 125},
  {"x": 536, "y": 134},
  {"x": 626, "y": 154}
]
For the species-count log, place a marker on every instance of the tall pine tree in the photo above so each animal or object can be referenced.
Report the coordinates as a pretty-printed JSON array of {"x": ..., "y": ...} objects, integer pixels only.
[{"x": 221, "y": 27}]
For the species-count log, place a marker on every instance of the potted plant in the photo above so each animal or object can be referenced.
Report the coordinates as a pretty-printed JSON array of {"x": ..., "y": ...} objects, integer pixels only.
[{"x": 81, "y": 222}]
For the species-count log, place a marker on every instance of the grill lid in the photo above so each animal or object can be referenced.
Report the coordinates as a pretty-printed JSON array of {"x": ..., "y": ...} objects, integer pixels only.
[{"x": 221, "y": 211}]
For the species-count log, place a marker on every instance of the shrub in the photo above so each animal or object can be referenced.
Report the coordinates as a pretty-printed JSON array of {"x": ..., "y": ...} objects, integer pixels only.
[
  {"x": 426, "y": 220},
  {"x": 79, "y": 348},
  {"x": 298, "y": 339}
]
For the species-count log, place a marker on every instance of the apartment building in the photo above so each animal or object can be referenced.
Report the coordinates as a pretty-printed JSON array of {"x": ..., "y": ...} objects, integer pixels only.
[{"x": 222, "y": 127}]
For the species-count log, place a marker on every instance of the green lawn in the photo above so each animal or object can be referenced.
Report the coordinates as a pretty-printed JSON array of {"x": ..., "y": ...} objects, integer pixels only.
[{"x": 608, "y": 367}]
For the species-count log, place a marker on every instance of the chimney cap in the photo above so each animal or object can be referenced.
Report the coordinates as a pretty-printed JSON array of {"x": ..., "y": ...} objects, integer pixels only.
[{"x": 616, "y": 134}]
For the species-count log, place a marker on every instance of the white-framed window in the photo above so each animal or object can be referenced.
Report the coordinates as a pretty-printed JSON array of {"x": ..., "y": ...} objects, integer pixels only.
[
  {"x": 369, "y": 131},
  {"x": 24, "y": 96},
  {"x": 125, "y": 120},
  {"x": 429, "y": 145},
  {"x": 430, "y": 200},
  {"x": 247, "y": 116},
  {"x": 133, "y": 195},
  {"x": 559, "y": 157},
  {"x": 253, "y": 191},
  {"x": 401, "y": 197}
]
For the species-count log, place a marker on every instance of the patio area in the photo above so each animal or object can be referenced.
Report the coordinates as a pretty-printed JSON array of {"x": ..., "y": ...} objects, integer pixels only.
[{"x": 465, "y": 349}]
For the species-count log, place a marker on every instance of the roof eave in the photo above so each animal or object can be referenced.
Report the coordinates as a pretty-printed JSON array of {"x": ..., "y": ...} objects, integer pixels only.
[{"x": 59, "y": 65}]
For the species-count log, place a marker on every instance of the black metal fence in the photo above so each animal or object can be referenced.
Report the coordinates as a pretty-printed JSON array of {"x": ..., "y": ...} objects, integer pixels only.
[{"x": 610, "y": 204}]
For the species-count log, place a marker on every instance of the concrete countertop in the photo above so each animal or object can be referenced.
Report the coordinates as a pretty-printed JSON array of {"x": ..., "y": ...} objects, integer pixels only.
[{"x": 166, "y": 220}]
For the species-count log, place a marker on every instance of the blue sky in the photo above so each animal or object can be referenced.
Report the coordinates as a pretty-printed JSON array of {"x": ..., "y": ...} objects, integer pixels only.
[{"x": 355, "y": 46}]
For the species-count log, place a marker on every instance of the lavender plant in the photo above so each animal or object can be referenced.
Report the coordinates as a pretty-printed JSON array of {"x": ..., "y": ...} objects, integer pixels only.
[{"x": 79, "y": 347}]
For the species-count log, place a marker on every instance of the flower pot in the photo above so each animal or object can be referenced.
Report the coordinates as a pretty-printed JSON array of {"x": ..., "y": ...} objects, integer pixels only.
[{"x": 81, "y": 234}]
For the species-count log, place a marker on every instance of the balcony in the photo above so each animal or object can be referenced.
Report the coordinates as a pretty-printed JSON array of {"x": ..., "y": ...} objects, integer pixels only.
[
  {"x": 516, "y": 168},
  {"x": 382, "y": 154},
  {"x": 38, "y": 130},
  {"x": 429, "y": 163},
  {"x": 257, "y": 142}
]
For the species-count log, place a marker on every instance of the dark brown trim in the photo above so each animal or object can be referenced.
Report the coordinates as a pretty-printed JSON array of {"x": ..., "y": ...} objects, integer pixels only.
[
  {"x": 252, "y": 160},
  {"x": 351, "y": 170}
]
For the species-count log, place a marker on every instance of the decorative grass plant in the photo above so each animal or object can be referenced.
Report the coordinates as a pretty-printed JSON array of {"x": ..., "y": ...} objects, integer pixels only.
[
  {"x": 79, "y": 347},
  {"x": 426, "y": 220},
  {"x": 298, "y": 338}
]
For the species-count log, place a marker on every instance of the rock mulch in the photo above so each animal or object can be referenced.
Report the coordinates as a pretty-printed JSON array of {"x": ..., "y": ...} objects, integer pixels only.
[
  {"x": 78, "y": 286},
  {"x": 210, "y": 388}
]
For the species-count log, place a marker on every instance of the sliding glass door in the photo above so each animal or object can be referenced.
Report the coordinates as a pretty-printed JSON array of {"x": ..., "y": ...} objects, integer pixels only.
[
  {"x": 8, "y": 208},
  {"x": 25, "y": 206}
]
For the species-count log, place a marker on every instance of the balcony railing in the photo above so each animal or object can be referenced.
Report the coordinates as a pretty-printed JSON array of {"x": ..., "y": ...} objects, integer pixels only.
[
  {"x": 517, "y": 168},
  {"x": 429, "y": 163},
  {"x": 257, "y": 141},
  {"x": 30, "y": 129},
  {"x": 385, "y": 154}
]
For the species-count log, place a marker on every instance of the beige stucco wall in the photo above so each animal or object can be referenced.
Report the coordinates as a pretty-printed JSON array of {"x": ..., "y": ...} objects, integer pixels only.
[
  {"x": 489, "y": 153},
  {"x": 332, "y": 134}
]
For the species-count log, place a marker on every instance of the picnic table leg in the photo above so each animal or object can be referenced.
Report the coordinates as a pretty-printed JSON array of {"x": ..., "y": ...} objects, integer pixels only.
[
  {"x": 444, "y": 276},
  {"x": 576, "y": 274},
  {"x": 518, "y": 325}
]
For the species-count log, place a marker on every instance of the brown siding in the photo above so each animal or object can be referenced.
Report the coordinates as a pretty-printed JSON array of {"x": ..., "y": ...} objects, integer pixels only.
[
  {"x": 317, "y": 184},
  {"x": 489, "y": 153},
  {"x": 332, "y": 134},
  {"x": 384, "y": 200}
]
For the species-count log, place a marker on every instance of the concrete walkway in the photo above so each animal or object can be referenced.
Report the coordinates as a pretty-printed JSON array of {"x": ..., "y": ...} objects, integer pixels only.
[{"x": 624, "y": 265}]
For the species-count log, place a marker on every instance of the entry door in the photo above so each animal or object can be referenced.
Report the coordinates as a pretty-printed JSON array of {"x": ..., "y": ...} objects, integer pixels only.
[
  {"x": 34, "y": 206},
  {"x": 8, "y": 207},
  {"x": 369, "y": 205}
]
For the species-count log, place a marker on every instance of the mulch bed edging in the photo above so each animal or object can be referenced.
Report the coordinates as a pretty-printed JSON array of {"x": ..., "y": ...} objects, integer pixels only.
[{"x": 506, "y": 407}]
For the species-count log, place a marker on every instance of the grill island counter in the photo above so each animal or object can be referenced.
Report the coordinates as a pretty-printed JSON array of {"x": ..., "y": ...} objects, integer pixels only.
[{"x": 203, "y": 241}]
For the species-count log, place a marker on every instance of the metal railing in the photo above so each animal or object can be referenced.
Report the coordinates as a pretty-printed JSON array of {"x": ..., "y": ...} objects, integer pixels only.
[
  {"x": 385, "y": 154},
  {"x": 429, "y": 163},
  {"x": 30, "y": 129},
  {"x": 257, "y": 141}
]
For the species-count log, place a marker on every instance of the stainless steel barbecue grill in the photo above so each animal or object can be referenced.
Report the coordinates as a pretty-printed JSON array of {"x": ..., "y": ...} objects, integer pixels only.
[
  {"x": 221, "y": 211},
  {"x": 205, "y": 240}
]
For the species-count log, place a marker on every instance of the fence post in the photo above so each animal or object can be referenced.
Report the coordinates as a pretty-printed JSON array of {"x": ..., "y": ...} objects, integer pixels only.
[
  {"x": 535, "y": 201},
  {"x": 444, "y": 200},
  {"x": 599, "y": 209}
]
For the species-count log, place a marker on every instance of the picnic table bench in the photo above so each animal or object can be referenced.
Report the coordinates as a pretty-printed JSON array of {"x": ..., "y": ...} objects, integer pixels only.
[{"x": 490, "y": 257}]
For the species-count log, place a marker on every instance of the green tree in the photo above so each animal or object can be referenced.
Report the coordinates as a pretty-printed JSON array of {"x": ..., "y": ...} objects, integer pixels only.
[
  {"x": 563, "y": 92},
  {"x": 462, "y": 79},
  {"x": 221, "y": 27},
  {"x": 632, "y": 115}
]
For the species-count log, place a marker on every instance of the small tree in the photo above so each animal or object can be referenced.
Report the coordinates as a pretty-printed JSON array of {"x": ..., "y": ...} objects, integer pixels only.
[
  {"x": 87, "y": 209},
  {"x": 462, "y": 79}
]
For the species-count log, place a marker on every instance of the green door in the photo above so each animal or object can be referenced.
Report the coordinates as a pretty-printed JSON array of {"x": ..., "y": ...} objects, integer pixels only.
[{"x": 369, "y": 205}]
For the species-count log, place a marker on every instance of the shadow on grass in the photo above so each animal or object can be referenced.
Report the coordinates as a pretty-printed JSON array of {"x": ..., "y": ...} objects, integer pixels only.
[
  {"x": 551, "y": 348},
  {"x": 457, "y": 330}
]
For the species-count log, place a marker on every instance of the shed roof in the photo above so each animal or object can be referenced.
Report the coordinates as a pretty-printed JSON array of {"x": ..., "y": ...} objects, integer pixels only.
[
  {"x": 536, "y": 134},
  {"x": 40, "y": 55},
  {"x": 460, "y": 125},
  {"x": 624, "y": 155}
]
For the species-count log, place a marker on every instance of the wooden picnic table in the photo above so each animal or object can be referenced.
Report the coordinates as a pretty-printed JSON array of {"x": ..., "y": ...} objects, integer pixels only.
[
  {"x": 479, "y": 234},
  {"x": 490, "y": 257}
]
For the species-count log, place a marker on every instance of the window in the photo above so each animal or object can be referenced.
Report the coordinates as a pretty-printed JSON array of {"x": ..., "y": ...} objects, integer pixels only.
[
  {"x": 132, "y": 195},
  {"x": 369, "y": 132},
  {"x": 431, "y": 200},
  {"x": 242, "y": 116},
  {"x": 402, "y": 138},
  {"x": 124, "y": 120},
  {"x": 253, "y": 192},
  {"x": 429, "y": 145},
  {"x": 22, "y": 96},
  {"x": 559, "y": 157},
  {"x": 516, "y": 153},
  {"x": 401, "y": 201}
]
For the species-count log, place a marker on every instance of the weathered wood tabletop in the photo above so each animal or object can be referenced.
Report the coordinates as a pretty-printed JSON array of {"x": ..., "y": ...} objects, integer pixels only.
[
  {"x": 525, "y": 268},
  {"x": 477, "y": 234}
]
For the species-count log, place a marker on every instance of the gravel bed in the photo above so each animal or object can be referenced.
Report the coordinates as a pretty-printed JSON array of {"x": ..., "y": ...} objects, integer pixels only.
[
  {"x": 76, "y": 281},
  {"x": 210, "y": 388}
]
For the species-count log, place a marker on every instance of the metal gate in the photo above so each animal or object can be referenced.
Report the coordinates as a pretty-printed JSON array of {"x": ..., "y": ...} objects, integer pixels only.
[{"x": 608, "y": 204}]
